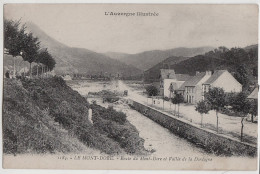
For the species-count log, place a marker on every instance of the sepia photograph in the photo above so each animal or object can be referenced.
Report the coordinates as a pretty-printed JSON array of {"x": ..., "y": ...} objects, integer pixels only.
[{"x": 130, "y": 86}]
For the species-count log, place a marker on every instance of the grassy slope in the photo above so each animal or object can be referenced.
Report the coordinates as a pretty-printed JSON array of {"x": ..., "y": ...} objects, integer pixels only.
[{"x": 47, "y": 116}]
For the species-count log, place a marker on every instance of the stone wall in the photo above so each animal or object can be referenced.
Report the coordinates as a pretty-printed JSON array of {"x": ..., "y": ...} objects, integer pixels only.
[{"x": 207, "y": 139}]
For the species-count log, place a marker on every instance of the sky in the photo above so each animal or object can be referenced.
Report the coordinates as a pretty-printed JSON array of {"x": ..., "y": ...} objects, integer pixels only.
[{"x": 87, "y": 26}]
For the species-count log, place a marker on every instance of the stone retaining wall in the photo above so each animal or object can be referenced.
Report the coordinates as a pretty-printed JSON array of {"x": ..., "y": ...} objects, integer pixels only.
[{"x": 209, "y": 140}]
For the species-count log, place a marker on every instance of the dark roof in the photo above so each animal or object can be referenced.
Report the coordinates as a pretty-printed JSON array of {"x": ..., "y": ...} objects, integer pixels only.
[
  {"x": 215, "y": 76},
  {"x": 254, "y": 94},
  {"x": 192, "y": 81},
  {"x": 183, "y": 77},
  {"x": 168, "y": 74}
]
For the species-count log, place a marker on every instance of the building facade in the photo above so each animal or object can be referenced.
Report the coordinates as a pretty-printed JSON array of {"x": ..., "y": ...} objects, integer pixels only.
[
  {"x": 192, "y": 88},
  {"x": 222, "y": 79}
]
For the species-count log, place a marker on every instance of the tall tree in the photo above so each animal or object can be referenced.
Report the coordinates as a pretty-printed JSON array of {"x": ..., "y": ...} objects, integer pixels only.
[
  {"x": 152, "y": 91},
  {"x": 240, "y": 104},
  {"x": 203, "y": 108},
  {"x": 216, "y": 98},
  {"x": 253, "y": 109},
  {"x": 30, "y": 50},
  {"x": 14, "y": 36},
  {"x": 46, "y": 59},
  {"x": 242, "y": 76},
  {"x": 177, "y": 99}
]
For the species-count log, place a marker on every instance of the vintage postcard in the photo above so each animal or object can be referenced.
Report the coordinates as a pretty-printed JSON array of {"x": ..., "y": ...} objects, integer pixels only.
[{"x": 130, "y": 86}]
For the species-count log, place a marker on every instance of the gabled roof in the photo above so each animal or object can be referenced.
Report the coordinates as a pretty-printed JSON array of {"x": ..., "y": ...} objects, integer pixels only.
[
  {"x": 214, "y": 77},
  {"x": 192, "y": 81},
  {"x": 254, "y": 94},
  {"x": 183, "y": 77},
  {"x": 168, "y": 74}
]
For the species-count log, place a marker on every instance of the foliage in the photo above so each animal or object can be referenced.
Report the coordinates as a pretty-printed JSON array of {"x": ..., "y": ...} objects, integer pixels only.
[
  {"x": 177, "y": 99},
  {"x": 24, "y": 107},
  {"x": 216, "y": 98},
  {"x": 253, "y": 107},
  {"x": 127, "y": 136},
  {"x": 166, "y": 98},
  {"x": 45, "y": 58},
  {"x": 202, "y": 107},
  {"x": 111, "y": 114},
  {"x": 13, "y": 37},
  {"x": 221, "y": 58},
  {"x": 31, "y": 47},
  {"x": 240, "y": 103},
  {"x": 152, "y": 90},
  {"x": 19, "y": 43},
  {"x": 242, "y": 76}
]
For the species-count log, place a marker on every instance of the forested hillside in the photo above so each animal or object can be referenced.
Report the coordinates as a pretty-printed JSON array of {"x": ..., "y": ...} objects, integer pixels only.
[
  {"x": 243, "y": 63},
  {"x": 148, "y": 59}
]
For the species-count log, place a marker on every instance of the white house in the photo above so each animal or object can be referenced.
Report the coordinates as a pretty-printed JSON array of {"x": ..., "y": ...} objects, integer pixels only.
[
  {"x": 172, "y": 84},
  {"x": 192, "y": 88},
  {"x": 222, "y": 79},
  {"x": 168, "y": 79}
]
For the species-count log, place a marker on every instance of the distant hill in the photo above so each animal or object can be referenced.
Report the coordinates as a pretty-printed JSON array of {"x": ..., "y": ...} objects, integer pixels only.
[
  {"x": 117, "y": 55},
  {"x": 229, "y": 60},
  {"x": 148, "y": 59},
  {"x": 251, "y": 47},
  {"x": 154, "y": 72},
  {"x": 79, "y": 60}
]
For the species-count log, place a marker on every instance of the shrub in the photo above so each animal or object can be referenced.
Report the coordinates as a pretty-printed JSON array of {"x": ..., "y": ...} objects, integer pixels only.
[
  {"x": 124, "y": 133},
  {"x": 151, "y": 90}
]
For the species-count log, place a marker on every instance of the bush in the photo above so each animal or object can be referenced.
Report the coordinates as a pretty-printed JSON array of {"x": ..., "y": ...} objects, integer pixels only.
[
  {"x": 152, "y": 90},
  {"x": 124, "y": 133},
  {"x": 166, "y": 98}
]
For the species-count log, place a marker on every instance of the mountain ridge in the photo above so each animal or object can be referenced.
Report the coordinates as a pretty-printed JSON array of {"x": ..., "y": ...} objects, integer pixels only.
[
  {"x": 79, "y": 60},
  {"x": 213, "y": 60},
  {"x": 148, "y": 59}
]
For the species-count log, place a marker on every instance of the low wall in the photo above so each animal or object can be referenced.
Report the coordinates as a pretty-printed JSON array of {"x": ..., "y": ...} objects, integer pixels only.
[{"x": 209, "y": 140}]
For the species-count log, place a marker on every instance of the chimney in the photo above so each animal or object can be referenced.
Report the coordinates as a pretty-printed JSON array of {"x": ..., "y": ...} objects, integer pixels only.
[
  {"x": 197, "y": 73},
  {"x": 208, "y": 73}
]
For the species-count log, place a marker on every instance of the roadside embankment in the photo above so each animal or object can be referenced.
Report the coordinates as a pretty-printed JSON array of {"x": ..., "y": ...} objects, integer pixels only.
[
  {"x": 47, "y": 116},
  {"x": 208, "y": 140}
]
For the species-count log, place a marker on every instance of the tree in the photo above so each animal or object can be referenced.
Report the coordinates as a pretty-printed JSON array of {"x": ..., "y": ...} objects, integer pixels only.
[
  {"x": 30, "y": 49},
  {"x": 174, "y": 101},
  {"x": 46, "y": 59},
  {"x": 152, "y": 90},
  {"x": 177, "y": 99},
  {"x": 216, "y": 98},
  {"x": 242, "y": 76},
  {"x": 14, "y": 36},
  {"x": 203, "y": 108},
  {"x": 253, "y": 109},
  {"x": 240, "y": 104}
]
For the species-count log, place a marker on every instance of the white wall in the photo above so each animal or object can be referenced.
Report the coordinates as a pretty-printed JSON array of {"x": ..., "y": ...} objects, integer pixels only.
[
  {"x": 167, "y": 83},
  {"x": 228, "y": 83}
]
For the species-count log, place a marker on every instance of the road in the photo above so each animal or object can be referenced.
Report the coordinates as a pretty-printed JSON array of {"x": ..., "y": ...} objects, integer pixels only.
[
  {"x": 159, "y": 140},
  {"x": 228, "y": 125}
]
